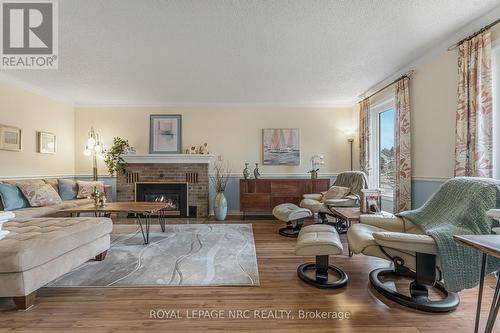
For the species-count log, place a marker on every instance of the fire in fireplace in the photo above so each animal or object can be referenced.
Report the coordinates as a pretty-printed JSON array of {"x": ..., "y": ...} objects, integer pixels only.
[{"x": 175, "y": 195}]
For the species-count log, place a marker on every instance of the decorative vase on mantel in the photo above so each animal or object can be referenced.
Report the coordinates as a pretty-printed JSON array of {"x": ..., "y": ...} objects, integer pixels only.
[{"x": 220, "y": 206}]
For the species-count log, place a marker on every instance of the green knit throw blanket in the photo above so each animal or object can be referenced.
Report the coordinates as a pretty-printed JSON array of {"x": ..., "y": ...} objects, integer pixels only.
[{"x": 459, "y": 208}]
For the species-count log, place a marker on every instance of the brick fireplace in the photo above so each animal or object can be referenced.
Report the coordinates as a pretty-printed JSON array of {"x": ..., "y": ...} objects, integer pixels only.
[{"x": 191, "y": 170}]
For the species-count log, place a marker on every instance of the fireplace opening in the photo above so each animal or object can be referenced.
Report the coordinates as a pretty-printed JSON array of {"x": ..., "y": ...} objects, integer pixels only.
[{"x": 175, "y": 195}]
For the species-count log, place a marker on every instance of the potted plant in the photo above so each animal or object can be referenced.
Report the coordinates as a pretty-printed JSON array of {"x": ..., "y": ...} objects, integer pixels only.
[
  {"x": 113, "y": 156},
  {"x": 220, "y": 179}
]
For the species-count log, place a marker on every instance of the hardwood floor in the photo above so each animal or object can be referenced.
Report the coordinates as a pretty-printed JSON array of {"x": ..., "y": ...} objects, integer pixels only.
[{"x": 128, "y": 309}]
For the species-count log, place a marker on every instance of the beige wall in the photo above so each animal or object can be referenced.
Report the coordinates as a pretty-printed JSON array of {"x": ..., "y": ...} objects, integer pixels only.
[
  {"x": 32, "y": 112},
  {"x": 433, "y": 102},
  {"x": 234, "y": 133}
]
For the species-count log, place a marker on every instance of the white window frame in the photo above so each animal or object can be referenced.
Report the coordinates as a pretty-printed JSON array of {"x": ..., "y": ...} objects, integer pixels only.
[
  {"x": 495, "y": 70},
  {"x": 375, "y": 112}
]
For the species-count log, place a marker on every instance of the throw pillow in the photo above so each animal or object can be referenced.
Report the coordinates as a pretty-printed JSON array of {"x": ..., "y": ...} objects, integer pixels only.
[
  {"x": 85, "y": 189},
  {"x": 68, "y": 189},
  {"x": 53, "y": 182},
  {"x": 40, "y": 195},
  {"x": 336, "y": 192},
  {"x": 12, "y": 197}
]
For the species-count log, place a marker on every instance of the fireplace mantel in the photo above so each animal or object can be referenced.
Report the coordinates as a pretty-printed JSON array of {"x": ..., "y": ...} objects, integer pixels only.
[{"x": 168, "y": 158}]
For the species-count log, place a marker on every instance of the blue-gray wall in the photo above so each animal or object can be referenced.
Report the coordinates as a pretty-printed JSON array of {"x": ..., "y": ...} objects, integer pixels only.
[{"x": 422, "y": 189}]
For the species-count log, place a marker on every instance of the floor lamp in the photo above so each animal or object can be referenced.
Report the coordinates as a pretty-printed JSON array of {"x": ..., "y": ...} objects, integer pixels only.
[
  {"x": 95, "y": 149},
  {"x": 350, "y": 140}
]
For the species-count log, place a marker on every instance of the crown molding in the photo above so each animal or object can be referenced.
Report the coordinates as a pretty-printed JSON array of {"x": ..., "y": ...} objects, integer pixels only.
[
  {"x": 34, "y": 89},
  {"x": 342, "y": 104}
]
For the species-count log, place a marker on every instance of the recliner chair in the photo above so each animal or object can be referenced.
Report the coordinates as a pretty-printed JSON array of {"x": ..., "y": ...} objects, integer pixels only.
[
  {"x": 354, "y": 180},
  {"x": 413, "y": 254}
]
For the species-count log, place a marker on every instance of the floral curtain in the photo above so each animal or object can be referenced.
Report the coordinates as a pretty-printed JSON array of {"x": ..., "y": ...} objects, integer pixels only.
[
  {"x": 402, "y": 191},
  {"x": 364, "y": 136},
  {"x": 474, "y": 118}
]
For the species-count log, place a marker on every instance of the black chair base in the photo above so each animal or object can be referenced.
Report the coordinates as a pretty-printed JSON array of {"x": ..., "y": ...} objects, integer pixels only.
[
  {"x": 340, "y": 225},
  {"x": 419, "y": 299},
  {"x": 290, "y": 230},
  {"x": 322, "y": 269}
]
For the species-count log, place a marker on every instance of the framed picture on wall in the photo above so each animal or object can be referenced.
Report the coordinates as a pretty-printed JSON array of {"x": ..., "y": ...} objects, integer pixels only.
[
  {"x": 281, "y": 146},
  {"x": 10, "y": 138},
  {"x": 46, "y": 143},
  {"x": 165, "y": 134}
]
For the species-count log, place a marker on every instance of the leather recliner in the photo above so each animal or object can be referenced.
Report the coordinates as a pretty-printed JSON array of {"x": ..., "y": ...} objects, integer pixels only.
[
  {"x": 316, "y": 202},
  {"x": 414, "y": 255}
]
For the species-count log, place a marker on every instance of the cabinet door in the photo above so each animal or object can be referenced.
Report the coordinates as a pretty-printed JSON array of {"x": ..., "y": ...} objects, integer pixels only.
[
  {"x": 293, "y": 188},
  {"x": 278, "y": 200},
  {"x": 255, "y": 202}
]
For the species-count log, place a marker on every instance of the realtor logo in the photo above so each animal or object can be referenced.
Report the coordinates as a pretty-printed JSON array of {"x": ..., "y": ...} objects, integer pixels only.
[{"x": 29, "y": 34}]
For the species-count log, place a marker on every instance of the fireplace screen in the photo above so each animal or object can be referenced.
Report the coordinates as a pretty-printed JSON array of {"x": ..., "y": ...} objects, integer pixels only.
[
  {"x": 173, "y": 194},
  {"x": 172, "y": 200}
]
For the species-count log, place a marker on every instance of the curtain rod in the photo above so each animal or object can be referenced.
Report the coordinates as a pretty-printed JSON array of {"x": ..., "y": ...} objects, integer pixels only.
[
  {"x": 408, "y": 75},
  {"x": 457, "y": 44}
]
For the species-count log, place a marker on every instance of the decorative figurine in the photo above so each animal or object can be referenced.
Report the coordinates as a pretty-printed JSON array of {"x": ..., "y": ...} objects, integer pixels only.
[
  {"x": 204, "y": 149},
  {"x": 99, "y": 198},
  {"x": 246, "y": 172},
  {"x": 256, "y": 172}
]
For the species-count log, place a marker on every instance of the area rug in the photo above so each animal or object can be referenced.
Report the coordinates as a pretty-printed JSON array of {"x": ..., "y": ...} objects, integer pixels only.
[{"x": 184, "y": 255}]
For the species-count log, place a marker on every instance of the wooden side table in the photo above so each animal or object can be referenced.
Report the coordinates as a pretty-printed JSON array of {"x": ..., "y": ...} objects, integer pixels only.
[
  {"x": 488, "y": 245},
  {"x": 347, "y": 214}
]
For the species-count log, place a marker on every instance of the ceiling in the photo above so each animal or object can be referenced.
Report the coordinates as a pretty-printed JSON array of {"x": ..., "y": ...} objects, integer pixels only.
[{"x": 281, "y": 52}]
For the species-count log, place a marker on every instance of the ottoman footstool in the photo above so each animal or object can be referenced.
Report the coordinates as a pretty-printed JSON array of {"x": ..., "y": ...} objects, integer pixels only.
[
  {"x": 290, "y": 214},
  {"x": 320, "y": 240},
  {"x": 39, "y": 250}
]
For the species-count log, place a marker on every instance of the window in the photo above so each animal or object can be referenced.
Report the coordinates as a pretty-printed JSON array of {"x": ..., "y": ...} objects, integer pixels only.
[
  {"x": 495, "y": 61},
  {"x": 383, "y": 147}
]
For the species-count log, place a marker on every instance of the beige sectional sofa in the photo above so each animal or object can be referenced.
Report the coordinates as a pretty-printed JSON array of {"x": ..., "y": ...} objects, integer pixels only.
[
  {"x": 52, "y": 210},
  {"x": 42, "y": 246}
]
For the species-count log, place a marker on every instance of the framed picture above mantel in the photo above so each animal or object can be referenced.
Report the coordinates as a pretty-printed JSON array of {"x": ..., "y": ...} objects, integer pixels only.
[{"x": 165, "y": 134}]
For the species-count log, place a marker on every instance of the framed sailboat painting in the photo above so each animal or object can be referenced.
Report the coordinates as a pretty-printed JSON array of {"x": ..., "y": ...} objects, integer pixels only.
[
  {"x": 165, "y": 134},
  {"x": 281, "y": 146}
]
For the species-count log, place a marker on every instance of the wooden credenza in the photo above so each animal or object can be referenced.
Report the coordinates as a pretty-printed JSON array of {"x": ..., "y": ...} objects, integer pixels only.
[{"x": 262, "y": 195}]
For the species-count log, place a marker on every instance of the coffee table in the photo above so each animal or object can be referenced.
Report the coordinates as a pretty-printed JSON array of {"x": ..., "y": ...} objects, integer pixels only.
[{"x": 143, "y": 211}]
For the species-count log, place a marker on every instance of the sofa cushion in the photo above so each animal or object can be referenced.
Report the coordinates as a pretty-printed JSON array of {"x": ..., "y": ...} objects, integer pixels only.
[
  {"x": 40, "y": 195},
  {"x": 12, "y": 197},
  {"x": 68, "y": 189},
  {"x": 52, "y": 182},
  {"x": 85, "y": 189},
  {"x": 37, "y": 241},
  {"x": 25, "y": 181},
  {"x": 30, "y": 212}
]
